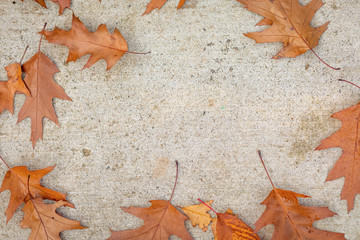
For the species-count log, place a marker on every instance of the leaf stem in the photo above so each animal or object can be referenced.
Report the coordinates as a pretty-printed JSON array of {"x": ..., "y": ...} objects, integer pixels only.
[
  {"x": 262, "y": 161},
  {"x": 138, "y": 52},
  {"x": 207, "y": 206},
  {"x": 5, "y": 163},
  {"x": 343, "y": 80},
  {"x": 177, "y": 173},
  {"x": 323, "y": 60},
  {"x": 28, "y": 186},
  {"x": 42, "y": 33},
  {"x": 24, "y": 54}
]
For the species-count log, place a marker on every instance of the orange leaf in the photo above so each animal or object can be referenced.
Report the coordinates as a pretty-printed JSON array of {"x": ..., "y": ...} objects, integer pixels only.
[
  {"x": 43, "y": 220},
  {"x": 39, "y": 72},
  {"x": 13, "y": 85},
  {"x": 198, "y": 215},
  {"x": 348, "y": 165},
  {"x": 16, "y": 180},
  {"x": 228, "y": 226},
  {"x": 290, "y": 24},
  {"x": 161, "y": 220},
  {"x": 62, "y": 4},
  {"x": 100, "y": 44},
  {"x": 291, "y": 220},
  {"x": 158, "y": 4}
]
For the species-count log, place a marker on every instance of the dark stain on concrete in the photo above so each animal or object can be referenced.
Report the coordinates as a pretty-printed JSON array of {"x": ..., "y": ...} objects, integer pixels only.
[
  {"x": 306, "y": 136},
  {"x": 86, "y": 152}
]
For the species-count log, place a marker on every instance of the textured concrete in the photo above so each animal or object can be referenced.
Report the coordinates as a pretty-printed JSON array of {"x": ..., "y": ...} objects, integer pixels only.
[{"x": 206, "y": 96}]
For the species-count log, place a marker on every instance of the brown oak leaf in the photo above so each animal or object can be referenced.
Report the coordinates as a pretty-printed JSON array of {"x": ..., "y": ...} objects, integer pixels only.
[
  {"x": 43, "y": 220},
  {"x": 62, "y": 4},
  {"x": 198, "y": 215},
  {"x": 229, "y": 226},
  {"x": 18, "y": 182},
  {"x": 100, "y": 44},
  {"x": 348, "y": 165},
  {"x": 289, "y": 23},
  {"x": 292, "y": 220},
  {"x": 13, "y": 85},
  {"x": 39, "y": 72},
  {"x": 161, "y": 220},
  {"x": 158, "y": 4}
]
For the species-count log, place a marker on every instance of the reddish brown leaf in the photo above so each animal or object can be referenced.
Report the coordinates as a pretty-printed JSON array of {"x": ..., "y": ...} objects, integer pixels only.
[
  {"x": 43, "y": 220},
  {"x": 161, "y": 220},
  {"x": 158, "y": 4},
  {"x": 348, "y": 165},
  {"x": 228, "y": 226},
  {"x": 289, "y": 23},
  {"x": 13, "y": 85},
  {"x": 291, "y": 220},
  {"x": 100, "y": 44},
  {"x": 39, "y": 72},
  {"x": 16, "y": 180}
]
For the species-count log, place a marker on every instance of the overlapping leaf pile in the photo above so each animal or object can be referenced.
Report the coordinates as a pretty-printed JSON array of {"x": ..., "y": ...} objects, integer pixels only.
[
  {"x": 40, "y": 217},
  {"x": 39, "y": 85}
]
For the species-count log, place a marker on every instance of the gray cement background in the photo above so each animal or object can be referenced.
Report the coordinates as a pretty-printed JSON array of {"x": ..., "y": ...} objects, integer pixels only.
[{"x": 206, "y": 96}]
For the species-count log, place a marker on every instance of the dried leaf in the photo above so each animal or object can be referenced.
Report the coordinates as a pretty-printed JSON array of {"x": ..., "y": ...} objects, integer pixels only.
[
  {"x": 16, "y": 180},
  {"x": 13, "y": 85},
  {"x": 43, "y": 220},
  {"x": 228, "y": 226},
  {"x": 158, "y": 4},
  {"x": 291, "y": 220},
  {"x": 290, "y": 24},
  {"x": 39, "y": 72},
  {"x": 161, "y": 220},
  {"x": 100, "y": 44},
  {"x": 348, "y": 165},
  {"x": 198, "y": 215}
]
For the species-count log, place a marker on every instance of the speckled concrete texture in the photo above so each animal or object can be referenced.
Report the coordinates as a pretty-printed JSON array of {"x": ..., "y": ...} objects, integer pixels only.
[{"x": 206, "y": 96}]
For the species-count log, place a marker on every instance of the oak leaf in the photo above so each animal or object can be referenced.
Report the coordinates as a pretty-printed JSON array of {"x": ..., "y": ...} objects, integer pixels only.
[
  {"x": 39, "y": 72},
  {"x": 62, "y": 4},
  {"x": 290, "y": 24},
  {"x": 292, "y": 220},
  {"x": 198, "y": 215},
  {"x": 158, "y": 4},
  {"x": 100, "y": 44},
  {"x": 43, "y": 220},
  {"x": 161, "y": 220},
  {"x": 13, "y": 85},
  {"x": 348, "y": 165},
  {"x": 18, "y": 182}
]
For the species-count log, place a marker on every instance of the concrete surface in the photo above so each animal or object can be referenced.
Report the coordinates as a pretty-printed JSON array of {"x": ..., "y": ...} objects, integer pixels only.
[{"x": 206, "y": 96}]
